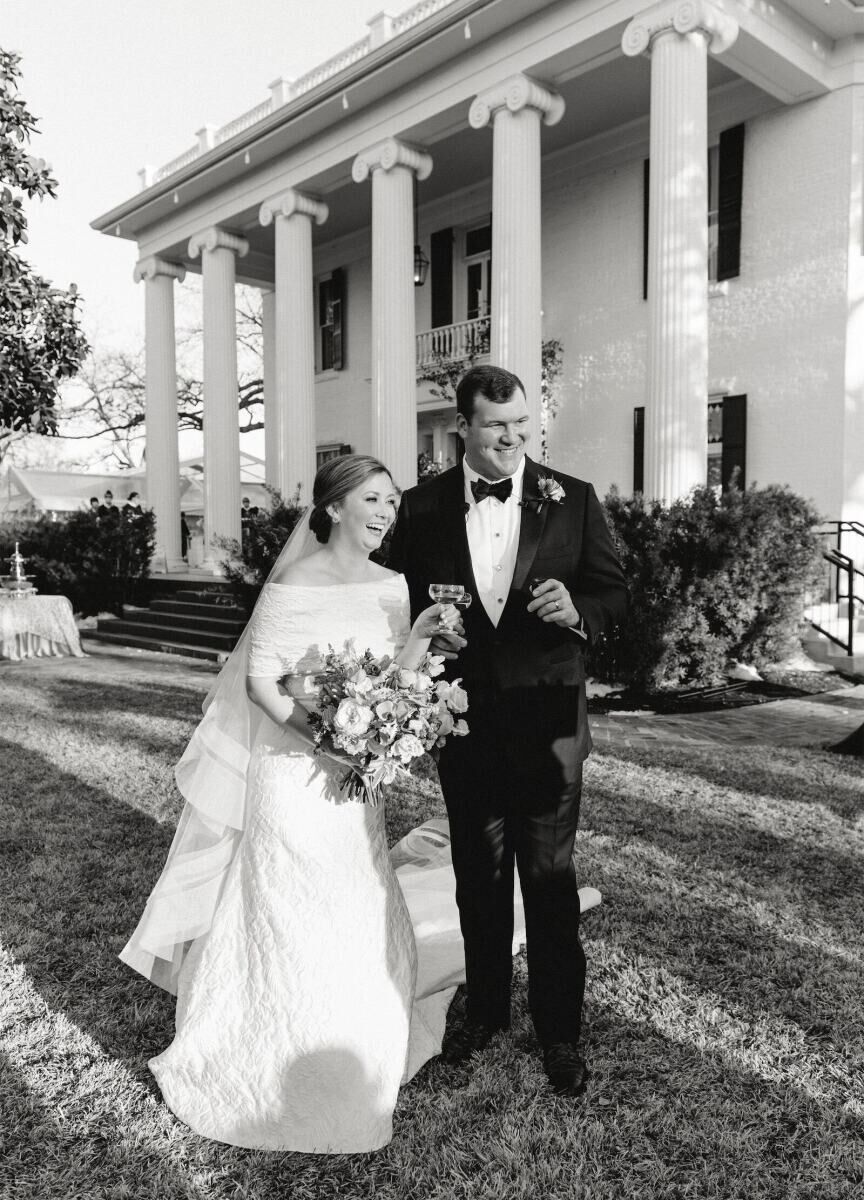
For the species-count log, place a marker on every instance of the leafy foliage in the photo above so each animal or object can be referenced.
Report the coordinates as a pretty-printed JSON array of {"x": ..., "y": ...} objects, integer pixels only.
[
  {"x": 248, "y": 563},
  {"x": 41, "y": 343},
  {"x": 551, "y": 364},
  {"x": 712, "y": 579},
  {"x": 99, "y": 564}
]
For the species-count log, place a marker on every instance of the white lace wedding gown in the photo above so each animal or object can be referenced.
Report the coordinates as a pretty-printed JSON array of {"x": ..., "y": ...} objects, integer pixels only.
[{"x": 326, "y": 973}]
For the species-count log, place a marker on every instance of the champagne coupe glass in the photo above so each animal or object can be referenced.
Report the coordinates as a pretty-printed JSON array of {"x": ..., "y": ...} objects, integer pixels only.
[{"x": 448, "y": 593}]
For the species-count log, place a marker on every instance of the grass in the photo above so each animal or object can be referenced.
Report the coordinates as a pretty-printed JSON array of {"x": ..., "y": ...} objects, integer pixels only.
[{"x": 724, "y": 1016}]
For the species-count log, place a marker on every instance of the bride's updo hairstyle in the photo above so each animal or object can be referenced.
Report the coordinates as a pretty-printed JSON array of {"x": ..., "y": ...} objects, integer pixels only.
[{"x": 335, "y": 479}]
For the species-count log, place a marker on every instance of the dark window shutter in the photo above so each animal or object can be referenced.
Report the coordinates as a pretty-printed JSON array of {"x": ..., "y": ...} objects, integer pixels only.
[
  {"x": 734, "y": 440},
  {"x": 638, "y": 450},
  {"x": 730, "y": 189},
  {"x": 646, "y": 179},
  {"x": 337, "y": 299},
  {"x": 441, "y": 252}
]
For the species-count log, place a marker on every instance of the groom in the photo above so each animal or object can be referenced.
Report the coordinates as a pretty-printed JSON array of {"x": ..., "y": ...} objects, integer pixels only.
[{"x": 532, "y": 547}]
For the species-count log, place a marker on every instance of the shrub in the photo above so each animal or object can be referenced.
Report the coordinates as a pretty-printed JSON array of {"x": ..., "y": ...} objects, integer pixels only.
[
  {"x": 713, "y": 578},
  {"x": 100, "y": 565},
  {"x": 248, "y": 563}
]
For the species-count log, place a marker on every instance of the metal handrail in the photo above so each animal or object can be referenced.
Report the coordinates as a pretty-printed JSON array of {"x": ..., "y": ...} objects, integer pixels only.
[{"x": 844, "y": 571}]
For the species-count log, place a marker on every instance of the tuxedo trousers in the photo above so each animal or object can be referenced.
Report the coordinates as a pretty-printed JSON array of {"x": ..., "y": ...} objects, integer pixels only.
[{"x": 512, "y": 787}]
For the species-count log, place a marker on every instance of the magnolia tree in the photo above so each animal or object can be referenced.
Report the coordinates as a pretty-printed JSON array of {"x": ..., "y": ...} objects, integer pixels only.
[{"x": 41, "y": 343}]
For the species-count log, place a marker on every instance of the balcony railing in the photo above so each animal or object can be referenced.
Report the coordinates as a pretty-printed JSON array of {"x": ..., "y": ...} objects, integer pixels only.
[{"x": 452, "y": 343}]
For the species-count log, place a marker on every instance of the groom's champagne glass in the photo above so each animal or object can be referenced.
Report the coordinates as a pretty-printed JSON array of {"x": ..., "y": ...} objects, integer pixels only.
[{"x": 448, "y": 593}]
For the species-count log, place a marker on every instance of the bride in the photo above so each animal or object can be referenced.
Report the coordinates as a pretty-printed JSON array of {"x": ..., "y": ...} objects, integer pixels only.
[{"x": 279, "y": 920}]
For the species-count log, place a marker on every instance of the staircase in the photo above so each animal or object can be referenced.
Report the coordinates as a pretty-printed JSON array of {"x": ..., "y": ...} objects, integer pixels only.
[
  {"x": 198, "y": 620},
  {"x": 836, "y": 632}
]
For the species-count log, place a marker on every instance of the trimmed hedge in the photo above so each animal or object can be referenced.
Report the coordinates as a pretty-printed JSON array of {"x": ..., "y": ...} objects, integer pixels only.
[
  {"x": 99, "y": 564},
  {"x": 713, "y": 579}
]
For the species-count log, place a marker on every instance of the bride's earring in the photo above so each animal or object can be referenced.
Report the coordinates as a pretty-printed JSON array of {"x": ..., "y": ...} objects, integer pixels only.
[{"x": 334, "y": 517}]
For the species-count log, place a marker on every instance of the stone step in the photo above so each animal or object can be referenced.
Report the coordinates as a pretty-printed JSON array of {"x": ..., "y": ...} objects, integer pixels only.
[
  {"x": 212, "y": 622},
  {"x": 209, "y": 595},
  {"x": 161, "y": 646},
  {"x": 186, "y": 608},
  {"x": 822, "y": 649},
  {"x": 224, "y": 642}
]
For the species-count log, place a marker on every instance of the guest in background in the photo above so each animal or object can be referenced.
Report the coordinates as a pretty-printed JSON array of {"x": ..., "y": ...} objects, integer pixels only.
[
  {"x": 184, "y": 538},
  {"x": 132, "y": 507},
  {"x": 107, "y": 510},
  {"x": 247, "y": 511},
  {"x": 94, "y": 505}
]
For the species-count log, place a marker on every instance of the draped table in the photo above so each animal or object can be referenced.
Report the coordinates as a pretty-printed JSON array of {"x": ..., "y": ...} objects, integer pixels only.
[{"x": 37, "y": 627}]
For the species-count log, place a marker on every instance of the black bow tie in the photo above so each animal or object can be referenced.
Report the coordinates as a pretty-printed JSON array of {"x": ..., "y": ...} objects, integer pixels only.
[{"x": 501, "y": 490}]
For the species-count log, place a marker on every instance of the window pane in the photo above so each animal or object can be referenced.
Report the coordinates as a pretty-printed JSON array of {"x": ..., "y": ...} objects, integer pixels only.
[{"x": 478, "y": 241}]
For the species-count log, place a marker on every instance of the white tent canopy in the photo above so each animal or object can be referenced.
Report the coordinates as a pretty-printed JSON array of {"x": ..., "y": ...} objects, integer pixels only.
[{"x": 28, "y": 491}]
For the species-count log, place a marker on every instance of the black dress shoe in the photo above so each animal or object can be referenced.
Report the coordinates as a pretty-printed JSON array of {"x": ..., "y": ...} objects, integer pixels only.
[
  {"x": 463, "y": 1042},
  {"x": 565, "y": 1069}
]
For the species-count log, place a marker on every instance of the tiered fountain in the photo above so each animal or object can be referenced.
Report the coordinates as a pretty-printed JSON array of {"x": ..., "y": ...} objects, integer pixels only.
[{"x": 18, "y": 584}]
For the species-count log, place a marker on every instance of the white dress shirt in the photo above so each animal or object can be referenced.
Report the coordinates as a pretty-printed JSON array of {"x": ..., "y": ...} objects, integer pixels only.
[{"x": 493, "y": 540}]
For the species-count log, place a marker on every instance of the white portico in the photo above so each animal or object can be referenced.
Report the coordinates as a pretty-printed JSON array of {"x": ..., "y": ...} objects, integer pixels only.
[{"x": 507, "y": 142}]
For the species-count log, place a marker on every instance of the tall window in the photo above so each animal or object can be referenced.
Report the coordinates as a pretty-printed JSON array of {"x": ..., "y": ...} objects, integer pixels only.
[
  {"x": 725, "y": 194},
  {"x": 726, "y": 443},
  {"x": 331, "y": 321},
  {"x": 478, "y": 271},
  {"x": 331, "y": 450}
]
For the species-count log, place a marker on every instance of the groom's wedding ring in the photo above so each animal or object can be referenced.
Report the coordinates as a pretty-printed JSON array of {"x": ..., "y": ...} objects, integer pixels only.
[{"x": 555, "y": 605}]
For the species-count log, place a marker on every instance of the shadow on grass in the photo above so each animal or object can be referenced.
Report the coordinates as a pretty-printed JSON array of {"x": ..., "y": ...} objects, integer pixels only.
[
  {"x": 784, "y": 774},
  {"x": 77, "y": 867},
  {"x": 175, "y": 702},
  {"x": 46, "y": 1157},
  {"x": 117, "y": 712},
  {"x": 672, "y": 809}
]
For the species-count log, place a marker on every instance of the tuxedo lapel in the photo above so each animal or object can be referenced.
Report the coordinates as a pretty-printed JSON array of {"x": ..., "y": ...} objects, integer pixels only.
[
  {"x": 530, "y": 527},
  {"x": 453, "y": 518}
]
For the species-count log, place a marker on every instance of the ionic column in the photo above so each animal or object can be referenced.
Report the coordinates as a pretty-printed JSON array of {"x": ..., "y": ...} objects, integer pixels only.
[
  {"x": 678, "y": 36},
  {"x": 160, "y": 400},
  {"x": 516, "y": 108},
  {"x": 393, "y": 166},
  {"x": 221, "y": 394},
  {"x": 293, "y": 433},
  {"x": 268, "y": 382}
]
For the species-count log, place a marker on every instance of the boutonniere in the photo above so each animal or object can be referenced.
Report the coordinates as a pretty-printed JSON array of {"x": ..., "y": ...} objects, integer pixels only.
[{"x": 549, "y": 491}]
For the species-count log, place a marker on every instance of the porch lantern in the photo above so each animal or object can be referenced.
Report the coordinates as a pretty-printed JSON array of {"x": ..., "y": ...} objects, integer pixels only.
[
  {"x": 421, "y": 262},
  {"x": 421, "y": 265}
]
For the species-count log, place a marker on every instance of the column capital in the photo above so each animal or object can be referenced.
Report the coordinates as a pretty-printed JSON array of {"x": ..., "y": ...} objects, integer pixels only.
[
  {"x": 516, "y": 93},
  {"x": 215, "y": 238},
  {"x": 289, "y": 202},
  {"x": 150, "y": 267},
  {"x": 682, "y": 17},
  {"x": 389, "y": 154}
]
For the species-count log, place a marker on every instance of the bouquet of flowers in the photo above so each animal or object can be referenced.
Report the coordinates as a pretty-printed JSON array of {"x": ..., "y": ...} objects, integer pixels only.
[{"x": 380, "y": 716}]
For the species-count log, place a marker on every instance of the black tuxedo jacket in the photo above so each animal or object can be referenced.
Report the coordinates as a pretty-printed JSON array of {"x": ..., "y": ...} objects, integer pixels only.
[{"x": 568, "y": 541}]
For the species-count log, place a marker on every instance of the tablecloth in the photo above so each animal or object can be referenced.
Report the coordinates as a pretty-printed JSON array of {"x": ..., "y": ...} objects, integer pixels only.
[{"x": 37, "y": 626}]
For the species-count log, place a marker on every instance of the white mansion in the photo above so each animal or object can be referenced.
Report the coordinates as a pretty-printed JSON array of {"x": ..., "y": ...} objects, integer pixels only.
[{"x": 672, "y": 192}]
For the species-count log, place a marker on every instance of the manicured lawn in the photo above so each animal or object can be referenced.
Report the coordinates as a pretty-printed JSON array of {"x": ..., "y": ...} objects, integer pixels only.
[{"x": 725, "y": 1009}]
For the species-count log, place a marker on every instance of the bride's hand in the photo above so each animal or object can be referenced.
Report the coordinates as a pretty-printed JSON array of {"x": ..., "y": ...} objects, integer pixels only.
[{"x": 437, "y": 618}]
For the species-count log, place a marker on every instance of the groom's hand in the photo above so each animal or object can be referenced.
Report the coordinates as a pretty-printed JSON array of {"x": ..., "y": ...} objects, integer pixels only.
[{"x": 553, "y": 605}]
